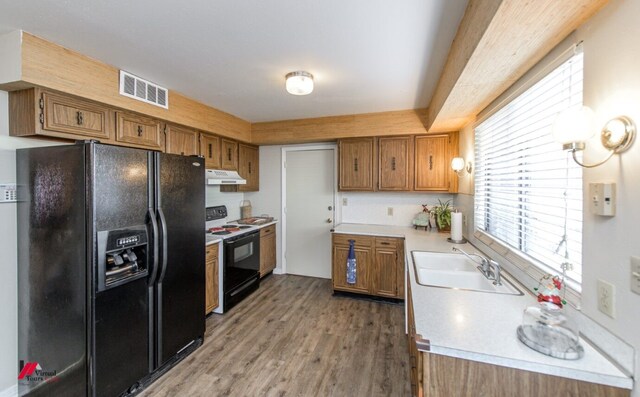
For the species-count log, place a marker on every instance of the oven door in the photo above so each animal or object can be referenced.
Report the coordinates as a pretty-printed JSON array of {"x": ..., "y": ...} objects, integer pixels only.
[{"x": 241, "y": 259}]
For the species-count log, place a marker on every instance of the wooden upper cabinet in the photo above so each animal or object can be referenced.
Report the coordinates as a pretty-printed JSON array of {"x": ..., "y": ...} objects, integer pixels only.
[
  {"x": 38, "y": 112},
  {"x": 136, "y": 130},
  {"x": 181, "y": 140},
  {"x": 357, "y": 169},
  {"x": 432, "y": 163},
  {"x": 394, "y": 163},
  {"x": 229, "y": 155},
  {"x": 248, "y": 167},
  {"x": 210, "y": 150}
]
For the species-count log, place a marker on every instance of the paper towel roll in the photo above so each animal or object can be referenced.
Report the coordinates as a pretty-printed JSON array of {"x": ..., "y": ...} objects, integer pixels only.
[{"x": 456, "y": 226}]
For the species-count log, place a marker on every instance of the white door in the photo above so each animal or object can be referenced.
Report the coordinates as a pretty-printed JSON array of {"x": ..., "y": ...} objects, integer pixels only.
[{"x": 310, "y": 198}]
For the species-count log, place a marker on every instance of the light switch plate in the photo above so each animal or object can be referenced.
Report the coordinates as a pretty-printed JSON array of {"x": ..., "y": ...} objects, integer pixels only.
[
  {"x": 635, "y": 274},
  {"x": 606, "y": 298},
  {"x": 344, "y": 201},
  {"x": 390, "y": 211}
]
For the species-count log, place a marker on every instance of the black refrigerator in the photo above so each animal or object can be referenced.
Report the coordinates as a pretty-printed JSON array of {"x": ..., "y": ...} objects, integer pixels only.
[{"x": 111, "y": 273}]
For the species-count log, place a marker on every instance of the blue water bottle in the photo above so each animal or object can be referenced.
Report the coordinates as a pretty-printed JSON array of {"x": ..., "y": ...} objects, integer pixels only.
[{"x": 351, "y": 263}]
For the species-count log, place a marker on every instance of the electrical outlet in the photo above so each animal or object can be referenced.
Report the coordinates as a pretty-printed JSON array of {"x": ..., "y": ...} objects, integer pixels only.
[
  {"x": 464, "y": 220},
  {"x": 606, "y": 298},
  {"x": 344, "y": 201},
  {"x": 390, "y": 211},
  {"x": 635, "y": 274}
]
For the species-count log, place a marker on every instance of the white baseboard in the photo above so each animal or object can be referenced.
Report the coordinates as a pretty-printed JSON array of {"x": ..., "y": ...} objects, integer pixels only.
[
  {"x": 11, "y": 391},
  {"x": 277, "y": 270}
]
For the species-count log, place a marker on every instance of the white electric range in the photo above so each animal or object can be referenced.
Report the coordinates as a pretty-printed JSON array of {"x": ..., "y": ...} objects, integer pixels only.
[{"x": 240, "y": 254}]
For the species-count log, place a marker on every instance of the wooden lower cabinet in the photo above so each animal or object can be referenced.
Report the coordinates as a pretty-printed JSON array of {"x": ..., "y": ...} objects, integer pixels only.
[
  {"x": 268, "y": 259},
  {"x": 212, "y": 299},
  {"x": 379, "y": 265},
  {"x": 435, "y": 375}
]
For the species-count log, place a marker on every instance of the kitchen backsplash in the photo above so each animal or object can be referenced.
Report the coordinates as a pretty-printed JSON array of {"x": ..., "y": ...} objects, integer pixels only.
[
  {"x": 213, "y": 196},
  {"x": 373, "y": 208}
]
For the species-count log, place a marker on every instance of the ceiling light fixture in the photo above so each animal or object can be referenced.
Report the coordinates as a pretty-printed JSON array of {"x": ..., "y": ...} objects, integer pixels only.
[
  {"x": 299, "y": 83},
  {"x": 574, "y": 126}
]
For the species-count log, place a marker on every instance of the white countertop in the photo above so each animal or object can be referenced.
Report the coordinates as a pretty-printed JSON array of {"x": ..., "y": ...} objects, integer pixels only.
[{"x": 482, "y": 326}]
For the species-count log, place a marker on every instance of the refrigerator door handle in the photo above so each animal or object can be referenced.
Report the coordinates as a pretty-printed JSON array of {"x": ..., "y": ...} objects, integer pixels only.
[
  {"x": 155, "y": 235},
  {"x": 163, "y": 224}
]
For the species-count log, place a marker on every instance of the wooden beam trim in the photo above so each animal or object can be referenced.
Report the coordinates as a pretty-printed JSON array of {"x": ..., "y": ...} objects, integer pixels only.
[{"x": 52, "y": 66}]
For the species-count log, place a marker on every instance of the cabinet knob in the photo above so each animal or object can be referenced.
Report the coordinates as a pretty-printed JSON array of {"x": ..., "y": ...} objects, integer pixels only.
[
  {"x": 80, "y": 117},
  {"x": 139, "y": 130},
  {"x": 210, "y": 151},
  {"x": 355, "y": 164},
  {"x": 229, "y": 154},
  {"x": 249, "y": 166},
  {"x": 430, "y": 163},
  {"x": 393, "y": 163}
]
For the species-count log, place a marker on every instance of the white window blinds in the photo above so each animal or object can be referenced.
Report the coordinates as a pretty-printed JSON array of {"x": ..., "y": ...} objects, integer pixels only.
[{"x": 528, "y": 191}]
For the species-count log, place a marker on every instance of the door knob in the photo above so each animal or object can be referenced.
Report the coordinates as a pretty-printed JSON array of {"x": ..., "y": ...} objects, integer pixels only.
[
  {"x": 329, "y": 220},
  {"x": 330, "y": 208}
]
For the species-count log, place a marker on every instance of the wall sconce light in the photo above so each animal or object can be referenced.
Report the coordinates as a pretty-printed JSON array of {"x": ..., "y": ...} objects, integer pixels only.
[
  {"x": 574, "y": 126},
  {"x": 458, "y": 165}
]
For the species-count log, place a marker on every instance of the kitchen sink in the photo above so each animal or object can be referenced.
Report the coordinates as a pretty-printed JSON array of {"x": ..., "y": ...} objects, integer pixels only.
[{"x": 456, "y": 271}]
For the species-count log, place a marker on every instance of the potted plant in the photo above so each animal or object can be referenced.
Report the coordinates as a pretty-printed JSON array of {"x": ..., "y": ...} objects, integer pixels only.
[{"x": 442, "y": 214}]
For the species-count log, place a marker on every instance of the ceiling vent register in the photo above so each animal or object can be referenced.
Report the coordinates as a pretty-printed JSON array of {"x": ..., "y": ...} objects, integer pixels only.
[{"x": 143, "y": 90}]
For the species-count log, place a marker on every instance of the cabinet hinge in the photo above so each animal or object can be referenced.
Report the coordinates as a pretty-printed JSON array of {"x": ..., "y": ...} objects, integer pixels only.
[
  {"x": 164, "y": 131},
  {"x": 41, "y": 103},
  {"x": 42, "y": 119}
]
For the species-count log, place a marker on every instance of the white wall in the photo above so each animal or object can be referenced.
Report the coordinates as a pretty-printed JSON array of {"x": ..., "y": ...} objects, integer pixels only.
[
  {"x": 8, "y": 247},
  {"x": 372, "y": 207},
  {"x": 611, "y": 88}
]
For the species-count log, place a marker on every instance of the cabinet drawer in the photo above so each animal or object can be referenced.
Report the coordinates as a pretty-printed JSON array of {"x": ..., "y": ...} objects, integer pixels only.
[
  {"x": 265, "y": 231},
  {"x": 138, "y": 130},
  {"x": 74, "y": 116},
  {"x": 343, "y": 239},
  {"x": 387, "y": 242}
]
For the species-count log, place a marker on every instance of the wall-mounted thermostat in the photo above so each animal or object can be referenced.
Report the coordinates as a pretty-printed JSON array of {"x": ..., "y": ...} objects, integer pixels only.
[
  {"x": 8, "y": 193},
  {"x": 602, "y": 198}
]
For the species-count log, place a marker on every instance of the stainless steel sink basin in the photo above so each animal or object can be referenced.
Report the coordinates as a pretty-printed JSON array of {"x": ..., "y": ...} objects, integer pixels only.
[{"x": 456, "y": 271}]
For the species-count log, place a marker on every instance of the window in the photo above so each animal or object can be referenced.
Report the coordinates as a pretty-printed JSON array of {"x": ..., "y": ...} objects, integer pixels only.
[{"x": 528, "y": 191}]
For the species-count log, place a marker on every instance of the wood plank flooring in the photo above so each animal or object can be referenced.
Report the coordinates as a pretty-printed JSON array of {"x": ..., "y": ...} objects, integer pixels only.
[{"x": 293, "y": 338}]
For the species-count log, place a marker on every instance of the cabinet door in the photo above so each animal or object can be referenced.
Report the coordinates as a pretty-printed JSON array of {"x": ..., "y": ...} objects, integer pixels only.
[
  {"x": 356, "y": 164},
  {"x": 181, "y": 140},
  {"x": 75, "y": 116},
  {"x": 432, "y": 158},
  {"x": 363, "y": 263},
  {"x": 211, "y": 289},
  {"x": 385, "y": 269},
  {"x": 229, "y": 155},
  {"x": 267, "y": 250},
  {"x": 394, "y": 158},
  {"x": 138, "y": 131},
  {"x": 248, "y": 167},
  {"x": 210, "y": 150}
]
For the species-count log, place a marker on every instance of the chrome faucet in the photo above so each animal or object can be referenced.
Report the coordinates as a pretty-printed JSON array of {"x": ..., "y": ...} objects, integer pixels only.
[
  {"x": 485, "y": 266},
  {"x": 496, "y": 272}
]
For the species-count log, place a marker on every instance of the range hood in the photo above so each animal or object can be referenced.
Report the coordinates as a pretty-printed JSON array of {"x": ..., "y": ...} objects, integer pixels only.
[{"x": 224, "y": 177}]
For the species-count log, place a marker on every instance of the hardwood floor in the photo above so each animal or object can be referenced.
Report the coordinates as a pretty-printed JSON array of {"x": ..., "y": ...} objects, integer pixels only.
[{"x": 293, "y": 338}]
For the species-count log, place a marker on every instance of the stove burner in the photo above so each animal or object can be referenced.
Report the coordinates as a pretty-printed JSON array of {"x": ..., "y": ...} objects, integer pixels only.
[
  {"x": 229, "y": 226},
  {"x": 244, "y": 227},
  {"x": 221, "y": 233}
]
